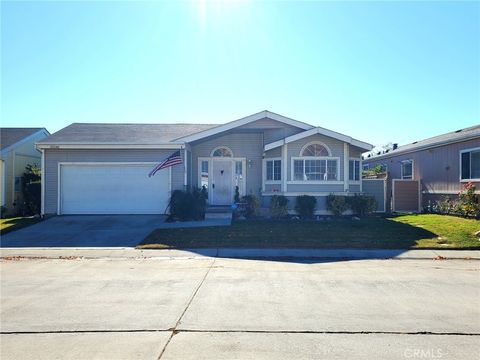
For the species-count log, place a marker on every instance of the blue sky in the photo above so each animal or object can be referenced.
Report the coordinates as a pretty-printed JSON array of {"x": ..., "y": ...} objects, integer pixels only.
[{"x": 378, "y": 71}]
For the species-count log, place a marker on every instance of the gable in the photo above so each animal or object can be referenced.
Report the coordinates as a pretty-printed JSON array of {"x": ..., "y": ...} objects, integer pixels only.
[{"x": 255, "y": 121}]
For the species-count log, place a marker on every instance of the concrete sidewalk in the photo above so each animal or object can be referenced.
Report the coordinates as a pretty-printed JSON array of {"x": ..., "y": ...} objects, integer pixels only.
[{"x": 239, "y": 253}]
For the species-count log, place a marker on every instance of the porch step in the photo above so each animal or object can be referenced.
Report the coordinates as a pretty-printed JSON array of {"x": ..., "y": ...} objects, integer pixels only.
[{"x": 218, "y": 212}]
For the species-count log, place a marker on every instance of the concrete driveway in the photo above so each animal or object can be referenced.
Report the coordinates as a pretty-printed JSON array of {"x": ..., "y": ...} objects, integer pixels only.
[
  {"x": 211, "y": 308},
  {"x": 85, "y": 231}
]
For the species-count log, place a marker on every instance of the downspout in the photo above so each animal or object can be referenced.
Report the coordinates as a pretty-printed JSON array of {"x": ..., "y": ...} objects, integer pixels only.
[{"x": 42, "y": 184}]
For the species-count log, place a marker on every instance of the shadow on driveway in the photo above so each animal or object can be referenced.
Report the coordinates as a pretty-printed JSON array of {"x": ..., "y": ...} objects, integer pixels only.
[{"x": 85, "y": 231}]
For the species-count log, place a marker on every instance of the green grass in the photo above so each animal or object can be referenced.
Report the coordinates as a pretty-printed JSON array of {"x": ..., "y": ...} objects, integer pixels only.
[
  {"x": 12, "y": 224},
  {"x": 396, "y": 232}
]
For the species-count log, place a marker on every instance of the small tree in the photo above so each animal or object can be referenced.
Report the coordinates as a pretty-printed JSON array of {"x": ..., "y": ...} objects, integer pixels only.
[
  {"x": 278, "y": 206},
  {"x": 32, "y": 189}
]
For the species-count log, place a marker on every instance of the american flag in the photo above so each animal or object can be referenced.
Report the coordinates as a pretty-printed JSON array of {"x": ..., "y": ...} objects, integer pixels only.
[{"x": 172, "y": 160}]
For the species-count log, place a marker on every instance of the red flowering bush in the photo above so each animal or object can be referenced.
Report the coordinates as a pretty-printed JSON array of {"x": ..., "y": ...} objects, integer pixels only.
[{"x": 468, "y": 205}]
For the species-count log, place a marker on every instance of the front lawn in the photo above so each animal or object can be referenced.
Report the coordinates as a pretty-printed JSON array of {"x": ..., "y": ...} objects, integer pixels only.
[
  {"x": 12, "y": 224},
  {"x": 395, "y": 232}
]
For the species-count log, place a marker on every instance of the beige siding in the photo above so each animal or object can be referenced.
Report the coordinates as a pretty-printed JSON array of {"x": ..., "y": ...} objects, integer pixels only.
[{"x": 53, "y": 157}]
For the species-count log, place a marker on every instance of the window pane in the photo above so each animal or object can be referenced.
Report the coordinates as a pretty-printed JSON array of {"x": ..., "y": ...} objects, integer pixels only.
[
  {"x": 332, "y": 170},
  {"x": 298, "y": 170},
  {"x": 314, "y": 169},
  {"x": 466, "y": 165},
  {"x": 270, "y": 170},
  {"x": 407, "y": 170},
  {"x": 357, "y": 170},
  {"x": 238, "y": 168},
  {"x": 277, "y": 170},
  {"x": 475, "y": 165},
  {"x": 204, "y": 174},
  {"x": 351, "y": 170},
  {"x": 205, "y": 166},
  {"x": 222, "y": 152},
  {"x": 315, "y": 150}
]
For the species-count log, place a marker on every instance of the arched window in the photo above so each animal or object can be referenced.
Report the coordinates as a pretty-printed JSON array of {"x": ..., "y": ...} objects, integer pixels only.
[
  {"x": 315, "y": 149},
  {"x": 222, "y": 152}
]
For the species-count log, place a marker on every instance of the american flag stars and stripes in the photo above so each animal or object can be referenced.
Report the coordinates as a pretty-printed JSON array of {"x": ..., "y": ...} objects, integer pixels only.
[{"x": 172, "y": 160}]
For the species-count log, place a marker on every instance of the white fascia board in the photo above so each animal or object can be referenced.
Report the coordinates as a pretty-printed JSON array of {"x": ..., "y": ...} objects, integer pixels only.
[
  {"x": 24, "y": 140},
  {"x": 361, "y": 144},
  {"x": 274, "y": 145},
  {"x": 243, "y": 121},
  {"x": 109, "y": 146}
]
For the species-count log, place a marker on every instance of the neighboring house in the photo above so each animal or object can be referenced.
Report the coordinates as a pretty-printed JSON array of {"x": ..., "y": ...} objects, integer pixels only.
[
  {"x": 441, "y": 165},
  {"x": 17, "y": 151},
  {"x": 102, "y": 168}
]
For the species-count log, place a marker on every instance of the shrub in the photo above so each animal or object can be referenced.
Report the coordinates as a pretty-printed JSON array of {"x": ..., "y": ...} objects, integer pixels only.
[
  {"x": 469, "y": 206},
  {"x": 362, "y": 204},
  {"x": 31, "y": 190},
  {"x": 278, "y": 206},
  {"x": 188, "y": 205},
  {"x": 337, "y": 204},
  {"x": 251, "y": 206},
  {"x": 305, "y": 206}
]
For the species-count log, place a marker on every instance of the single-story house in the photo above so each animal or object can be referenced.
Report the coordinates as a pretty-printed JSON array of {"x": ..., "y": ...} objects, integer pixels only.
[
  {"x": 103, "y": 168},
  {"x": 440, "y": 165},
  {"x": 17, "y": 150}
]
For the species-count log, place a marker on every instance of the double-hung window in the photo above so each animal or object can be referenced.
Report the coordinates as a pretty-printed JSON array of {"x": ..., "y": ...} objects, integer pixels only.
[
  {"x": 354, "y": 170},
  {"x": 470, "y": 164},
  {"x": 407, "y": 169},
  {"x": 273, "y": 170}
]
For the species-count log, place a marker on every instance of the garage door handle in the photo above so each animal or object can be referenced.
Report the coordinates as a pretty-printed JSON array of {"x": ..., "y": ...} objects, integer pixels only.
[{"x": 213, "y": 186}]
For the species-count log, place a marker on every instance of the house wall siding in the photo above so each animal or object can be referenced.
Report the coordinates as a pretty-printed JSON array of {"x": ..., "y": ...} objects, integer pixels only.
[
  {"x": 54, "y": 156},
  {"x": 437, "y": 168}
]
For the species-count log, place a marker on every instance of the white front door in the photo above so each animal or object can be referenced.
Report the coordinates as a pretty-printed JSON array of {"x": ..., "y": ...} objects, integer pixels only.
[{"x": 222, "y": 182}]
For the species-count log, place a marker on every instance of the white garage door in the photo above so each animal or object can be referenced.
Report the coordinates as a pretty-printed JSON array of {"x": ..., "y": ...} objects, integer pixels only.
[{"x": 113, "y": 189}]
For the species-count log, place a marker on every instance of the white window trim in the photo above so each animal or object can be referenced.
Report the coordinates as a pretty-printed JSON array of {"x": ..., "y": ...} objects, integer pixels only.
[
  {"x": 460, "y": 165},
  {"x": 355, "y": 182},
  {"x": 267, "y": 182},
  {"x": 401, "y": 169},
  {"x": 316, "y": 142},
  {"x": 292, "y": 170},
  {"x": 222, "y": 147}
]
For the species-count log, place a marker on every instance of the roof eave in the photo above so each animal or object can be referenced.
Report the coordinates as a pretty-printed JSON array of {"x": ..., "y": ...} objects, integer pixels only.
[{"x": 420, "y": 148}]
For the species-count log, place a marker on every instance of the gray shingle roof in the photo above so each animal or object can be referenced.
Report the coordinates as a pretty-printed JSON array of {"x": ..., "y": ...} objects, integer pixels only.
[
  {"x": 10, "y": 136},
  {"x": 454, "y": 136},
  {"x": 149, "y": 134}
]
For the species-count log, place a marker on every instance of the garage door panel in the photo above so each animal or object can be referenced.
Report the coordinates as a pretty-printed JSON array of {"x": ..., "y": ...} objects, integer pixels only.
[{"x": 113, "y": 189}]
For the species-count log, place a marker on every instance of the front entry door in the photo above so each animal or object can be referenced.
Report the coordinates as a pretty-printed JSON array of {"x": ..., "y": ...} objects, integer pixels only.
[{"x": 222, "y": 182}]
